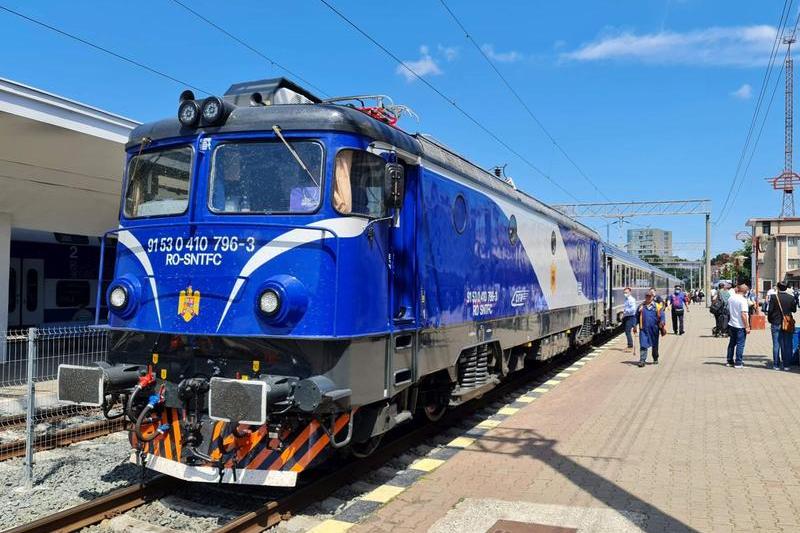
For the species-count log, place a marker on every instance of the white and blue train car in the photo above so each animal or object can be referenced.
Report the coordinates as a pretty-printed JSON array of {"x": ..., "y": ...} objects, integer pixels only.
[
  {"x": 53, "y": 279},
  {"x": 295, "y": 276},
  {"x": 626, "y": 270}
]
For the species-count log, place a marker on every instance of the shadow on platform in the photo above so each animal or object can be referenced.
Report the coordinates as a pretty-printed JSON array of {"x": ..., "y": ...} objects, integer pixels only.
[{"x": 615, "y": 497}]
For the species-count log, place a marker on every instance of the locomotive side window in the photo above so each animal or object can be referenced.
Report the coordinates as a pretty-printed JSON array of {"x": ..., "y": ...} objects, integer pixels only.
[
  {"x": 265, "y": 178},
  {"x": 512, "y": 230},
  {"x": 358, "y": 185},
  {"x": 158, "y": 183},
  {"x": 460, "y": 213}
]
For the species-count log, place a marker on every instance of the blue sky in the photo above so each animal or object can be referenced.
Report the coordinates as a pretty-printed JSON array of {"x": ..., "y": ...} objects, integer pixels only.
[{"x": 651, "y": 98}]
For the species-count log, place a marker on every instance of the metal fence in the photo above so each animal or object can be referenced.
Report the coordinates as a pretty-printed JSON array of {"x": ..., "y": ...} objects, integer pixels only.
[{"x": 31, "y": 417}]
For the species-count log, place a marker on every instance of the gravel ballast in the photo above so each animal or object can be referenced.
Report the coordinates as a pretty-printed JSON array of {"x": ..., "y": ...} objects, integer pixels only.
[{"x": 64, "y": 477}]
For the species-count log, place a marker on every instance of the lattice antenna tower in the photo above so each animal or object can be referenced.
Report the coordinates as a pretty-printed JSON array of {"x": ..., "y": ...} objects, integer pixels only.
[{"x": 787, "y": 180}]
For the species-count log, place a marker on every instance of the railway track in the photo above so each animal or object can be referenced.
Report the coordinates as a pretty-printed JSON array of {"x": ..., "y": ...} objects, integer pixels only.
[
  {"x": 62, "y": 437},
  {"x": 44, "y": 415},
  {"x": 274, "y": 511},
  {"x": 98, "y": 509}
]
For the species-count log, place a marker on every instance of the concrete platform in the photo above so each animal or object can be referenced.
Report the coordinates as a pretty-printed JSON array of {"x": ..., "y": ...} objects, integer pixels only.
[{"x": 687, "y": 445}]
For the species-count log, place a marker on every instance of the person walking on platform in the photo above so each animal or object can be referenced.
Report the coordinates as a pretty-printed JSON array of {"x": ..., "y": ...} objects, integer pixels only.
[
  {"x": 656, "y": 297},
  {"x": 738, "y": 326},
  {"x": 780, "y": 309},
  {"x": 679, "y": 305},
  {"x": 629, "y": 315},
  {"x": 652, "y": 324}
]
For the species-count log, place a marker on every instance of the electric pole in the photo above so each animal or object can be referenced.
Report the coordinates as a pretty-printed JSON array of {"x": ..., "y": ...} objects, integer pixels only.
[{"x": 788, "y": 178}]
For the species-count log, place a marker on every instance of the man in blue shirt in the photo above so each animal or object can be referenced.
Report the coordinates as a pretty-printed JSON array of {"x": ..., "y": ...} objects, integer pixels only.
[
  {"x": 651, "y": 327},
  {"x": 678, "y": 301},
  {"x": 629, "y": 315}
]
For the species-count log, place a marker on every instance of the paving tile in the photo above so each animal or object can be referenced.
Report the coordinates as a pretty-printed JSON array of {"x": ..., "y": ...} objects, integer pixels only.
[{"x": 689, "y": 443}]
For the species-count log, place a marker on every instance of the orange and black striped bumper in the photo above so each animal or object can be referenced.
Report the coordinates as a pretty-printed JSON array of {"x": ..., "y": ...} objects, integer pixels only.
[{"x": 255, "y": 458}]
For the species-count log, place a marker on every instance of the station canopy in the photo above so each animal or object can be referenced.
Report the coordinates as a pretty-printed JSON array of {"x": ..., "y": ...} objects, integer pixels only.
[{"x": 60, "y": 161}]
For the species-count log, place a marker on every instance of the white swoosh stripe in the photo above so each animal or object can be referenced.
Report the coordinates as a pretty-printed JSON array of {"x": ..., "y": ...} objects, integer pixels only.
[
  {"x": 130, "y": 242},
  {"x": 344, "y": 227}
]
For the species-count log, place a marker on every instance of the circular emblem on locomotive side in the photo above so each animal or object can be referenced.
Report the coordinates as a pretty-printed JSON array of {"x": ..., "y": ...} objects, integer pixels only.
[{"x": 553, "y": 243}]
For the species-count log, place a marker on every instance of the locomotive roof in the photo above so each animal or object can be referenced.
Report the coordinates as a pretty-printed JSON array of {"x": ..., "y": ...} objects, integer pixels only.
[{"x": 341, "y": 118}]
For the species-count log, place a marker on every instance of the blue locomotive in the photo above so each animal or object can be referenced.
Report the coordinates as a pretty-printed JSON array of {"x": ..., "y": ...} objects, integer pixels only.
[{"x": 295, "y": 276}]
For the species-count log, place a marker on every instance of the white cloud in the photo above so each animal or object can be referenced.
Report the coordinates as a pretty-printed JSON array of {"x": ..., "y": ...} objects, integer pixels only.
[
  {"x": 738, "y": 46},
  {"x": 423, "y": 66},
  {"x": 501, "y": 57},
  {"x": 450, "y": 53},
  {"x": 745, "y": 92}
]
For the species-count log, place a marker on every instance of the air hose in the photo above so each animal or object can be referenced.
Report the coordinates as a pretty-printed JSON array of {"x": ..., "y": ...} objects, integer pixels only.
[
  {"x": 155, "y": 400},
  {"x": 129, "y": 408}
]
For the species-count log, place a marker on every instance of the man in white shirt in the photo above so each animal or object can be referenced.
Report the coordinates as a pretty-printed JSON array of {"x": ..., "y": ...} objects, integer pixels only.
[
  {"x": 738, "y": 326},
  {"x": 629, "y": 315}
]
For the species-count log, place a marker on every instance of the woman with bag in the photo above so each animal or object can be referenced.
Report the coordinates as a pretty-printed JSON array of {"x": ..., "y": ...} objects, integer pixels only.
[{"x": 781, "y": 320}]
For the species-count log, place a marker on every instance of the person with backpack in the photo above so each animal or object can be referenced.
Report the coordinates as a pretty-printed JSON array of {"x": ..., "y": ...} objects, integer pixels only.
[
  {"x": 678, "y": 302},
  {"x": 652, "y": 324},
  {"x": 720, "y": 312},
  {"x": 780, "y": 311}
]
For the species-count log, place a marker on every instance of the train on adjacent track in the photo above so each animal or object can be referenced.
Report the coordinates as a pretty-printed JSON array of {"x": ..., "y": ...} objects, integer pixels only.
[{"x": 296, "y": 276}]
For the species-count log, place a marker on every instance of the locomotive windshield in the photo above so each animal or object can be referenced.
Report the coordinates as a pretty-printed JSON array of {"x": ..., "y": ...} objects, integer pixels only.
[
  {"x": 158, "y": 183},
  {"x": 264, "y": 177}
]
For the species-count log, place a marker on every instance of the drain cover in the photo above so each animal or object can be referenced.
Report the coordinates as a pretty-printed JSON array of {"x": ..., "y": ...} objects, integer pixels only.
[{"x": 510, "y": 526}]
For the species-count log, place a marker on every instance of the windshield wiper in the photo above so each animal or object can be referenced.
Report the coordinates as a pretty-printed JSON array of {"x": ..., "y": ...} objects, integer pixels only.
[{"x": 277, "y": 130}]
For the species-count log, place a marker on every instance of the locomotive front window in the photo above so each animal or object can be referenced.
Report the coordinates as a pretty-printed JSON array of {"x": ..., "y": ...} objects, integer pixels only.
[
  {"x": 358, "y": 186},
  {"x": 265, "y": 177},
  {"x": 158, "y": 183}
]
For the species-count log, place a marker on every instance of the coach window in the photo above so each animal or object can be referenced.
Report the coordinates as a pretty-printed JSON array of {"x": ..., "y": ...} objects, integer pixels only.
[
  {"x": 31, "y": 289},
  {"x": 158, "y": 183},
  {"x": 358, "y": 184},
  {"x": 72, "y": 293},
  {"x": 12, "y": 291}
]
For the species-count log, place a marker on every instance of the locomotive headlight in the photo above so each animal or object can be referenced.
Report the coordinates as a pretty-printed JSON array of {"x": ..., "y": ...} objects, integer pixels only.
[
  {"x": 269, "y": 302},
  {"x": 281, "y": 301},
  {"x": 189, "y": 113},
  {"x": 213, "y": 109},
  {"x": 118, "y": 297}
]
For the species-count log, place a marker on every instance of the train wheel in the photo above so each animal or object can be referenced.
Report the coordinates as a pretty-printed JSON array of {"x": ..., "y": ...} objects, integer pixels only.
[
  {"x": 435, "y": 411},
  {"x": 366, "y": 448}
]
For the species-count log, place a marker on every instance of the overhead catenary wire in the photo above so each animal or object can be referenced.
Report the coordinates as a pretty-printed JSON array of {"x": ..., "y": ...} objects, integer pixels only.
[
  {"x": 260, "y": 54},
  {"x": 738, "y": 176},
  {"x": 102, "y": 49},
  {"x": 521, "y": 101},
  {"x": 447, "y": 99}
]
